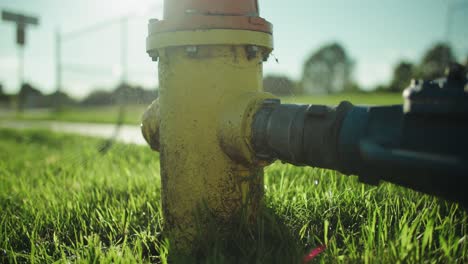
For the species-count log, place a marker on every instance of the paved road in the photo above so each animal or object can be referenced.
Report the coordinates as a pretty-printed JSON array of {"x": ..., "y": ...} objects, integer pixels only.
[{"x": 126, "y": 133}]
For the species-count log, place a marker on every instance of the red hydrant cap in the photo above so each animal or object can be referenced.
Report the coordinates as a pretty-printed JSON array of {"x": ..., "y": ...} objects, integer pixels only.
[
  {"x": 182, "y": 15},
  {"x": 174, "y": 8}
]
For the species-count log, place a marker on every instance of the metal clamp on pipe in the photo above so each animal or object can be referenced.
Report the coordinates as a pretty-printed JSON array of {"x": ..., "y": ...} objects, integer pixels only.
[{"x": 299, "y": 134}]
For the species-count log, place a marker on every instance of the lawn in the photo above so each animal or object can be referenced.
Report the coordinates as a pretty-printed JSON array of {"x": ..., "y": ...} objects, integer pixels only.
[
  {"x": 131, "y": 114},
  {"x": 64, "y": 201},
  {"x": 355, "y": 98}
]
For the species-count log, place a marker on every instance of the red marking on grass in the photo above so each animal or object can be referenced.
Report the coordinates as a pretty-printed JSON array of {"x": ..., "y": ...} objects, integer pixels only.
[{"x": 314, "y": 253}]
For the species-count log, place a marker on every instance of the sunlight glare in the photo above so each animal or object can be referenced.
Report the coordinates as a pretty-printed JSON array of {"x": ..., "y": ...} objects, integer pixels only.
[{"x": 140, "y": 8}]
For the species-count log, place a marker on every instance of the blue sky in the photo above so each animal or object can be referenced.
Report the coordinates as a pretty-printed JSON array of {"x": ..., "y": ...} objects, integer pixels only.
[{"x": 376, "y": 34}]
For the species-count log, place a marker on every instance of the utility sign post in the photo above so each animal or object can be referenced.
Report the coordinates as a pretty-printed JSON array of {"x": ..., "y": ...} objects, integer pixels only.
[{"x": 21, "y": 21}]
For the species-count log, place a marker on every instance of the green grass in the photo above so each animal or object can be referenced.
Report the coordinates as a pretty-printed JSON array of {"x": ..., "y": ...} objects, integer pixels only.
[
  {"x": 355, "y": 98},
  {"x": 62, "y": 201},
  {"x": 133, "y": 113}
]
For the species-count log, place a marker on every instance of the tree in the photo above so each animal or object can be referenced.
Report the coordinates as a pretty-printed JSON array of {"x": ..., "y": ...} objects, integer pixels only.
[
  {"x": 381, "y": 88},
  {"x": 29, "y": 97},
  {"x": 435, "y": 61},
  {"x": 3, "y": 96},
  {"x": 122, "y": 94},
  {"x": 60, "y": 99},
  {"x": 402, "y": 75},
  {"x": 98, "y": 97},
  {"x": 127, "y": 94},
  {"x": 327, "y": 70},
  {"x": 278, "y": 85}
]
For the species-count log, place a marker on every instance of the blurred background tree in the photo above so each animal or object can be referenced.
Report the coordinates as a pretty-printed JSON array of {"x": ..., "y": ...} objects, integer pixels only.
[
  {"x": 402, "y": 75},
  {"x": 122, "y": 94},
  {"x": 328, "y": 70},
  {"x": 3, "y": 96},
  {"x": 29, "y": 97},
  {"x": 127, "y": 94},
  {"x": 279, "y": 85},
  {"x": 5, "y": 99},
  {"x": 59, "y": 98},
  {"x": 435, "y": 61},
  {"x": 97, "y": 97}
]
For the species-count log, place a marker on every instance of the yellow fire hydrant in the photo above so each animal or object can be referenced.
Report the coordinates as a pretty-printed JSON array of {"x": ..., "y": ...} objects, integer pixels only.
[{"x": 210, "y": 56}]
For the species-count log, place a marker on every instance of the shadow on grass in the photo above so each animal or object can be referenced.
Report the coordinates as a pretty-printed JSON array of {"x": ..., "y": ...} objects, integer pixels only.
[{"x": 265, "y": 240}]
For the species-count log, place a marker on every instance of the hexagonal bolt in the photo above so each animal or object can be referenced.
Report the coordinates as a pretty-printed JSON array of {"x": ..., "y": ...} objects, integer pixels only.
[
  {"x": 191, "y": 50},
  {"x": 191, "y": 11},
  {"x": 252, "y": 51},
  {"x": 154, "y": 54}
]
